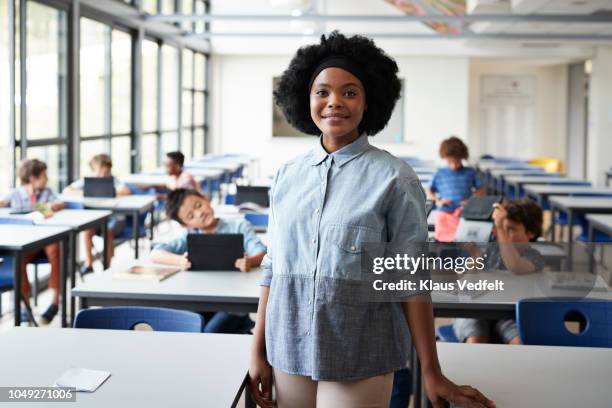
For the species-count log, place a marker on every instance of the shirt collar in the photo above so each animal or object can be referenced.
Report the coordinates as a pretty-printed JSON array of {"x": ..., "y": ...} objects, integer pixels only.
[{"x": 341, "y": 156}]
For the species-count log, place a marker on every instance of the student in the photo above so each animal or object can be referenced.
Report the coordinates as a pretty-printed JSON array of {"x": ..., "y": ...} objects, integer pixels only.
[
  {"x": 451, "y": 187},
  {"x": 193, "y": 211},
  {"x": 178, "y": 177},
  {"x": 35, "y": 195},
  {"x": 516, "y": 222},
  {"x": 323, "y": 345},
  {"x": 101, "y": 165}
]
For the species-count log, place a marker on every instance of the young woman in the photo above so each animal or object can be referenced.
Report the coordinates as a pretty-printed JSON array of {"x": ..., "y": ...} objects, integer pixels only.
[{"x": 325, "y": 347}]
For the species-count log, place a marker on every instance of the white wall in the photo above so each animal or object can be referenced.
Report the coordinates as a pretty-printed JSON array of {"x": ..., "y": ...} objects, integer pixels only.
[
  {"x": 550, "y": 102},
  {"x": 436, "y": 106},
  {"x": 599, "y": 142}
]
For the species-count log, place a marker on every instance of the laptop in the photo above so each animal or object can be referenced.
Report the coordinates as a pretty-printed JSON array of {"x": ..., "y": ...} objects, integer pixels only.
[
  {"x": 214, "y": 252},
  {"x": 99, "y": 187},
  {"x": 253, "y": 194}
]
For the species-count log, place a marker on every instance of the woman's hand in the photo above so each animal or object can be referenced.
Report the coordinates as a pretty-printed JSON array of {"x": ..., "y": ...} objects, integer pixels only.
[
  {"x": 440, "y": 389},
  {"x": 260, "y": 381}
]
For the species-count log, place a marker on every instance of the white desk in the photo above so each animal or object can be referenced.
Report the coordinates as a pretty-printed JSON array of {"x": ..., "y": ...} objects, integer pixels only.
[
  {"x": 148, "y": 369},
  {"x": 496, "y": 177},
  {"x": 531, "y": 376},
  {"x": 541, "y": 192},
  {"x": 18, "y": 240},
  {"x": 573, "y": 206},
  {"x": 133, "y": 205},
  {"x": 514, "y": 185},
  {"x": 598, "y": 222},
  {"x": 191, "y": 290}
]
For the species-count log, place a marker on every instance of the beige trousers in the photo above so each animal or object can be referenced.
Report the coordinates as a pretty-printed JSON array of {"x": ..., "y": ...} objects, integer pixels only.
[{"x": 296, "y": 391}]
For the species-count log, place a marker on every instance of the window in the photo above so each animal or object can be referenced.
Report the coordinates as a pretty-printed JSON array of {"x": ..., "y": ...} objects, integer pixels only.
[
  {"x": 106, "y": 94},
  {"x": 150, "y": 6},
  {"x": 150, "y": 127},
  {"x": 5, "y": 144}
]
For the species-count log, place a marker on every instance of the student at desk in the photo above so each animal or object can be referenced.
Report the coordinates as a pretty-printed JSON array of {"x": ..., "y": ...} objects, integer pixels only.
[
  {"x": 101, "y": 166},
  {"x": 516, "y": 222},
  {"x": 193, "y": 211},
  {"x": 179, "y": 178},
  {"x": 31, "y": 196}
]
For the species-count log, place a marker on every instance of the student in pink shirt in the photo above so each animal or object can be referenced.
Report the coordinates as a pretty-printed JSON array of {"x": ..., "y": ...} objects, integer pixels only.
[{"x": 179, "y": 178}]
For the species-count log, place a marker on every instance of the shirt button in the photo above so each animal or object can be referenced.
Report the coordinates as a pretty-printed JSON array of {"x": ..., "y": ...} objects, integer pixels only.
[
  {"x": 353, "y": 247},
  {"x": 317, "y": 211},
  {"x": 314, "y": 241},
  {"x": 310, "y": 302},
  {"x": 308, "y": 333}
]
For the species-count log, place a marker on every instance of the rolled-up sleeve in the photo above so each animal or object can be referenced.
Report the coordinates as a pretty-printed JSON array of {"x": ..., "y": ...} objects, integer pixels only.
[
  {"x": 406, "y": 217},
  {"x": 266, "y": 264},
  {"x": 252, "y": 243}
]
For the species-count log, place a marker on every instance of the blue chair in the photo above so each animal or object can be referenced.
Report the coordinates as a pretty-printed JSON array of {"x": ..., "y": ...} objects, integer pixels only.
[
  {"x": 125, "y": 318},
  {"x": 447, "y": 334},
  {"x": 230, "y": 199},
  {"x": 6, "y": 277},
  {"x": 256, "y": 219},
  {"x": 41, "y": 260},
  {"x": 542, "y": 322}
]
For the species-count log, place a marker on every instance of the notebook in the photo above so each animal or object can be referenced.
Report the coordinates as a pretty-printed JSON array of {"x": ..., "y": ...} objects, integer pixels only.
[
  {"x": 148, "y": 273},
  {"x": 82, "y": 379},
  {"x": 214, "y": 252}
]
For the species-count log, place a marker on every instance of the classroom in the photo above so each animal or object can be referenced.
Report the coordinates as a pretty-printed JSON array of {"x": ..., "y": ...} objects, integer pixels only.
[{"x": 306, "y": 203}]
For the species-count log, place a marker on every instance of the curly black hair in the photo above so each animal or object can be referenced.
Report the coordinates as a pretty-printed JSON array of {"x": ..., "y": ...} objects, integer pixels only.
[{"x": 382, "y": 86}]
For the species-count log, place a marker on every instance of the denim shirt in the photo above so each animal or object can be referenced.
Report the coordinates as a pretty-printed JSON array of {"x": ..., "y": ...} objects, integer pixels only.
[{"x": 323, "y": 207}]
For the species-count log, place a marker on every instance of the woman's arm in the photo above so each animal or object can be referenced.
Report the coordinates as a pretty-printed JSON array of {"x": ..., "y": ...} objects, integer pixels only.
[
  {"x": 418, "y": 311},
  {"x": 260, "y": 372}
]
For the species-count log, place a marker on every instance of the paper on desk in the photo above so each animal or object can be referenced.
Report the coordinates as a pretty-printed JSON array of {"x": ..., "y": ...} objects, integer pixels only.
[{"x": 82, "y": 379}]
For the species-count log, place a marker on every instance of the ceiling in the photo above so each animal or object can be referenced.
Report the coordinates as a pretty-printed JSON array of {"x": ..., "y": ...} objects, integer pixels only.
[{"x": 250, "y": 35}]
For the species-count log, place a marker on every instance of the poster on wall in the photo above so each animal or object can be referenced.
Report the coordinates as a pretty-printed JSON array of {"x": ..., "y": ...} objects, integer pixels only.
[{"x": 507, "y": 115}]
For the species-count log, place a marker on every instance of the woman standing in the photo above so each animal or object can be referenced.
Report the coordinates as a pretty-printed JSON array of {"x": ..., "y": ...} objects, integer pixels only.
[{"x": 324, "y": 347}]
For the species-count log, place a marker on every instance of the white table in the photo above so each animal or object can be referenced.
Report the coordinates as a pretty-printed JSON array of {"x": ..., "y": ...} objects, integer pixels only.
[
  {"x": 540, "y": 193},
  {"x": 18, "y": 240},
  {"x": 531, "y": 376},
  {"x": 598, "y": 222},
  {"x": 191, "y": 290},
  {"x": 573, "y": 206},
  {"x": 496, "y": 177},
  {"x": 515, "y": 185},
  {"x": 132, "y": 205},
  {"x": 148, "y": 369}
]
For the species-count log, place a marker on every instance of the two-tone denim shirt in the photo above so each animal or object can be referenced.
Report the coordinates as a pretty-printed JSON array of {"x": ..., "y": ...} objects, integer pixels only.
[{"x": 323, "y": 207}]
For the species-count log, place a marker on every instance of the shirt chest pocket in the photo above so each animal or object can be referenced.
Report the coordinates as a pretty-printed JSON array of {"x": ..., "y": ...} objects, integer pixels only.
[{"x": 345, "y": 244}]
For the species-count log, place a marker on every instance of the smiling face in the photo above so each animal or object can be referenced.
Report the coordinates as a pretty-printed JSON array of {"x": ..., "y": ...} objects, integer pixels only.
[
  {"x": 337, "y": 103},
  {"x": 196, "y": 212}
]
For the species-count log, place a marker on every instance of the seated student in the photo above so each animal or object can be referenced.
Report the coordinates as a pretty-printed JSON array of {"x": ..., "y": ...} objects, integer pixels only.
[
  {"x": 101, "y": 166},
  {"x": 516, "y": 222},
  {"x": 178, "y": 177},
  {"x": 35, "y": 195},
  {"x": 451, "y": 187},
  {"x": 193, "y": 211}
]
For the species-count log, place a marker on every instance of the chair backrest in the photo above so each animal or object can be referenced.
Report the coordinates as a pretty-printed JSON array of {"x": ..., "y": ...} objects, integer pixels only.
[
  {"x": 473, "y": 231},
  {"x": 125, "y": 318},
  {"x": 16, "y": 221},
  {"x": 256, "y": 219},
  {"x": 542, "y": 321}
]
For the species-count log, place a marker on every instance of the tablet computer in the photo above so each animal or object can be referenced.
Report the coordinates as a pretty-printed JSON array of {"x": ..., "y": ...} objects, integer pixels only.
[
  {"x": 214, "y": 252},
  {"x": 103, "y": 187}
]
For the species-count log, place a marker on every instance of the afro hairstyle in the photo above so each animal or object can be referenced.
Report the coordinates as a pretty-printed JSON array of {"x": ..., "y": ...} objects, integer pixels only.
[{"x": 381, "y": 83}]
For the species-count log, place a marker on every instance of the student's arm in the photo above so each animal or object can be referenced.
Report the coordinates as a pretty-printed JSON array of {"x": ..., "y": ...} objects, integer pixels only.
[
  {"x": 3, "y": 203},
  {"x": 168, "y": 258},
  {"x": 513, "y": 260},
  {"x": 74, "y": 192},
  {"x": 260, "y": 371},
  {"x": 246, "y": 263},
  {"x": 254, "y": 249},
  {"x": 122, "y": 190}
]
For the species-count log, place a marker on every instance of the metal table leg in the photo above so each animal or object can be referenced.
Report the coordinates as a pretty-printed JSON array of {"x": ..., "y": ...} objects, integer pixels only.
[
  {"x": 135, "y": 232},
  {"x": 65, "y": 260},
  {"x": 591, "y": 241},
  {"x": 17, "y": 289}
]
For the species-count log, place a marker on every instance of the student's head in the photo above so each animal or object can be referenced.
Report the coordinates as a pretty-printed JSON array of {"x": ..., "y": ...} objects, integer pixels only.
[
  {"x": 174, "y": 163},
  {"x": 454, "y": 151},
  {"x": 340, "y": 87},
  {"x": 101, "y": 165},
  {"x": 190, "y": 208},
  {"x": 524, "y": 220},
  {"x": 33, "y": 172}
]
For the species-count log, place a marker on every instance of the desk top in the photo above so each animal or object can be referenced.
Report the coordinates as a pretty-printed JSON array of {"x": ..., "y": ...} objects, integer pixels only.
[
  {"x": 514, "y": 172},
  {"x": 500, "y": 166},
  {"x": 24, "y": 237},
  {"x": 121, "y": 203},
  {"x": 582, "y": 203},
  {"x": 196, "y": 286},
  {"x": 76, "y": 219},
  {"x": 222, "y": 165},
  {"x": 143, "y": 179},
  {"x": 152, "y": 369},
  {"x": 203, "y": 173},
  {"x": 531, "y": 376},
  {"x": 542, "y": 180},
  {"x": 602, "y": 221},
  {"x": 562, "y": 190}
]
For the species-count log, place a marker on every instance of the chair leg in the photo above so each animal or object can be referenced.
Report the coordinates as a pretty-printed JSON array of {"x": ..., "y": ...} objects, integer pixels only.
[
  {"x": 30, "y": 313},
  {"x": 35, "y": 286}
]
